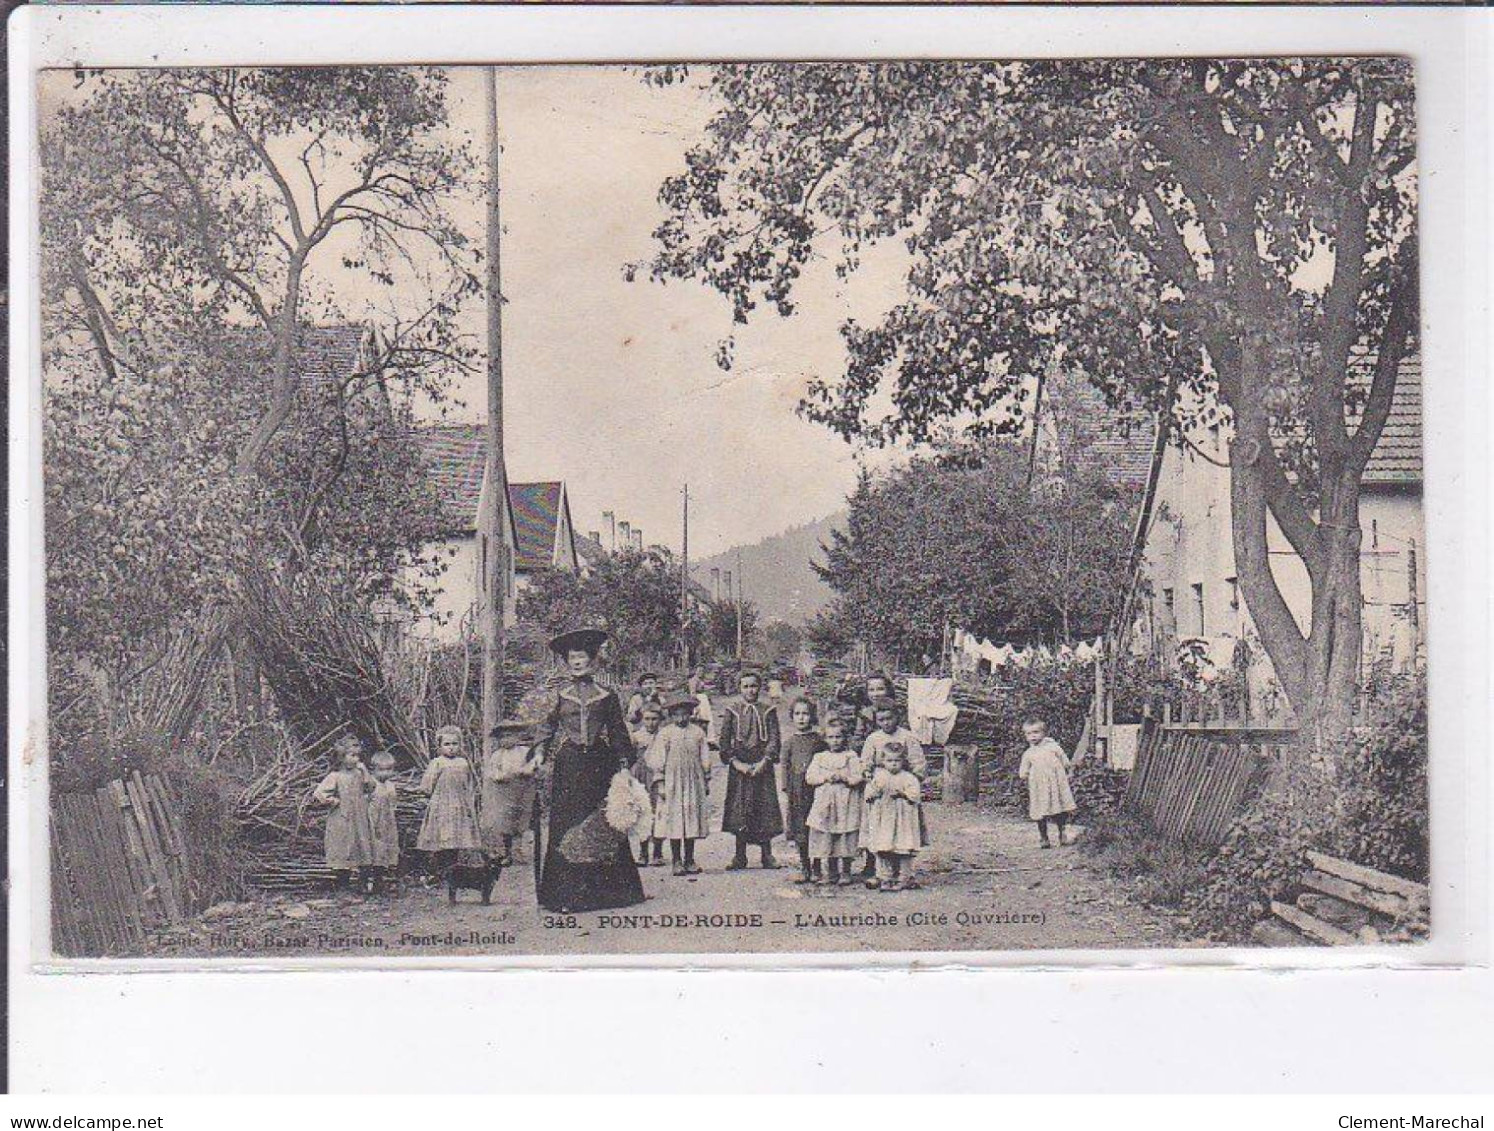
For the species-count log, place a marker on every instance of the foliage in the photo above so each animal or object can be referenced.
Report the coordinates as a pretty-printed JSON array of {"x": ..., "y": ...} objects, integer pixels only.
[
  {"x": 828, "y": 633},
  {"x": 780, "y": 641},
  {"x": 1215, "y": 238},
  {"x": 185, "y": 441},
  {"x": 1384, "y": 808},
  {"x": 721, "y": 621},
  {"x": 633, "y": 594},
  {"x": 977, "y": 546}
]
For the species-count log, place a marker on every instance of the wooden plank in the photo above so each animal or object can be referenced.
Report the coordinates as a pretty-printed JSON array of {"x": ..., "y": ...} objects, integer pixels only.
[
  {"x": 102, "y": 914},
  {"x": 154, "y": 852},
  {"x": 1203, "y": 774},
  {"x": 171, "y": 847},
  {"x": 140, "y": 873},
  {"x": 1386, "y": 903},
  {"x": 1313, "y": 927},
  {"x": 1274, "y": 933},
  {"x": 116, "y": 866},
  {"x": 104, "y": 864},
  {"x": 73, "y": 940},
  {"x": 1371, "y": 878}
]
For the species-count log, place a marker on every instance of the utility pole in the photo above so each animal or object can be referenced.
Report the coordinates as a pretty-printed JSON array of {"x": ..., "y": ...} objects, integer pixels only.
[
  {"x": 741, "y": 598},
  {"x": 685, "y": 584},
  {"x": 495, "y": 473}
]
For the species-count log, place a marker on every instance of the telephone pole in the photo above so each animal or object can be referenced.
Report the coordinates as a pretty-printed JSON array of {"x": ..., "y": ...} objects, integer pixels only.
[
  {"x": 495, "y": 475},
  {"x": 685, "y": 584},
  {"x": 741, "y": 598}
]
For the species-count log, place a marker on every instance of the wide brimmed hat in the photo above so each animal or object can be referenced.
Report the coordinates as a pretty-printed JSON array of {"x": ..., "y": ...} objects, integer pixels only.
[
  {"x": 681, "y": 699},
  {"x": 588, "y": 640}
]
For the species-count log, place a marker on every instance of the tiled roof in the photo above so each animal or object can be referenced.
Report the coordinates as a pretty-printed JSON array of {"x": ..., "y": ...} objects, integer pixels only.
[
  {"x": 455, "y": 456},
  {"x": 590, "y": 552},
  {"x": 323, "y": 353},
  {"x": 1397, "y": 457},
  {"x": 536, "y": 512},
  {"x": 1121, "y": 438}
]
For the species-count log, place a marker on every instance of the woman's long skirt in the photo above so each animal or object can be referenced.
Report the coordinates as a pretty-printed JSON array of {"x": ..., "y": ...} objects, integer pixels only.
[{"x": 585, "y": 879}]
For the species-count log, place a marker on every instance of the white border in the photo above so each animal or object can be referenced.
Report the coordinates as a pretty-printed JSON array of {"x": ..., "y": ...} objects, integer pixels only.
[{"x": 1450, "y": 47}]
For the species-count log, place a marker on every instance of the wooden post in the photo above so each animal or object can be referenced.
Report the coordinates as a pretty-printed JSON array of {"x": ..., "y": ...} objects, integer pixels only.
[
  {"x": 740, "y": 598},
  {"x": 495, "y": 475},
  {"x": 961, "y": 774},
  {"x": 685, "y": 584}
]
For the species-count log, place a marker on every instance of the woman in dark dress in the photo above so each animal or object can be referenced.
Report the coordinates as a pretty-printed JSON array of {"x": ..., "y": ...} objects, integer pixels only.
[{"x": 588, "y": 866}]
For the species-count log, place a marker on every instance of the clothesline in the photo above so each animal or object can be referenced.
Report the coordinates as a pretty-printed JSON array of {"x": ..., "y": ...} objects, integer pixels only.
[{"x": 973, "y": 649}]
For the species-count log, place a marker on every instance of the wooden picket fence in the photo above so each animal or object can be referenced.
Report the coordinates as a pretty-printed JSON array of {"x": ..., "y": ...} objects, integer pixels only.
[
  {"x": 118, "y": 867},
  {"x": 1190, "y": 783}
]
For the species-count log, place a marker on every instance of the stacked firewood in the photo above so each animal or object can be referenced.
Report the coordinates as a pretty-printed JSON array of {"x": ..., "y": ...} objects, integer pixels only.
[{"x": 322, "y": 660}]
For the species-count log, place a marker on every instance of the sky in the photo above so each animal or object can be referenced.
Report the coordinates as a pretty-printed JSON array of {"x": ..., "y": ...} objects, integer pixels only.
[{"x": 613, "y": 386}]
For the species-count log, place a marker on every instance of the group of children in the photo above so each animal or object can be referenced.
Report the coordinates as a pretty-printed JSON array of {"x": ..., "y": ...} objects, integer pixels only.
[
  {"x": 465, "y": 812},
  {"x": 853, "y": 789},
  {"x": 842, "y": 802}
]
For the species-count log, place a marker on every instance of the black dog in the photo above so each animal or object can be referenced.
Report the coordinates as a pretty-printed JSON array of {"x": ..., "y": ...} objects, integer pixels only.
[{"x": 472, "y": 871}]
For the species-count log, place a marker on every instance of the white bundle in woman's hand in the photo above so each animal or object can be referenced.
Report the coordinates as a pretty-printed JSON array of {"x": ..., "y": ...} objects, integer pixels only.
[{"x": 627, "y": 808}]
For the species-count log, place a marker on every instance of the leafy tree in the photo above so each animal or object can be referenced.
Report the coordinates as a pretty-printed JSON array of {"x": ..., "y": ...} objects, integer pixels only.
[
  {"x": 780, "y": 641},
  {"x": 1215, "y": 238},
  {"x": 184, "y": 443},
  {"x": 633, "y": 594},
  {"x": 721, "y": 627},
  {"x": 978, "y": 546}
]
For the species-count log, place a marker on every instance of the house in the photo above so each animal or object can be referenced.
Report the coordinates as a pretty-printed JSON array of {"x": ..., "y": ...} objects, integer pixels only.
[
  {"x": 538, "y": 531},
  {"x": 1186, "y": 557}
]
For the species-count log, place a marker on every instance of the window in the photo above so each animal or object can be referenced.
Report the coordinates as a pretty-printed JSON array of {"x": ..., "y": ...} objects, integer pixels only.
[
  {"x": 1234, "y": 593},
  {"x": 1169, "y": 612},
  {"x": 1198, "y": 607}
]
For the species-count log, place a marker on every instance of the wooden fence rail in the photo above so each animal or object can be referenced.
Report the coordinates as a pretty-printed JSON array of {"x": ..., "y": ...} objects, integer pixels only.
[
  {"x": 118, "y": 867},
  {"x": 1189, "y": 784}
]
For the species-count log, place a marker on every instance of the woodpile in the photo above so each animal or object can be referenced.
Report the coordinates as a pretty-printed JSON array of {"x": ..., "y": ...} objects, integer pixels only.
[
  {"x": 322, "y": 660},
  {"x": 1345, "y": 904},
  {"x": 118, "y": 867}
]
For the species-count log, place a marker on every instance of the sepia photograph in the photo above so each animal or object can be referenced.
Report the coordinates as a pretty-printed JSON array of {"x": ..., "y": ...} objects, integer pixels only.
[{"x": 858, "y": 509}]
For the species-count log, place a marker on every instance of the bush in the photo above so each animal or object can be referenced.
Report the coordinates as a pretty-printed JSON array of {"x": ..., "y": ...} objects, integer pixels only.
[{"x": 1382, "y": 773}]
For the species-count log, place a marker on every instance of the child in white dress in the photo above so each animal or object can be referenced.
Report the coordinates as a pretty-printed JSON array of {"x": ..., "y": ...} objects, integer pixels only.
[
  {"x": 893, "y": 830},
  {"x": 652, "y": 716},
  {"x": 381, "y": 805},
  {"x": 450, "y": 824},
  {"x": 349, "y": 839},
  {"x": 680, "y": 757},
  {"x": 1045, "y": 769},
  {"x": 835, "y": 816}
]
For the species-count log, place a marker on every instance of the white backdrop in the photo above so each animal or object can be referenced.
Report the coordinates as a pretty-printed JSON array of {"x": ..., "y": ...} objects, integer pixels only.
[{"x": 1156, "y": 1024}]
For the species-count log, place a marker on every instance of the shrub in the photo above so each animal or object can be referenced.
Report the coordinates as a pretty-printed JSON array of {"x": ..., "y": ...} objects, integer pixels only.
[{"x": 1382, "y": 774}]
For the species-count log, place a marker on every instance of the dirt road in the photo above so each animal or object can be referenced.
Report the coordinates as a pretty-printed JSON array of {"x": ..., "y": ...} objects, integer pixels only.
[{"x": 987, "y": 886}]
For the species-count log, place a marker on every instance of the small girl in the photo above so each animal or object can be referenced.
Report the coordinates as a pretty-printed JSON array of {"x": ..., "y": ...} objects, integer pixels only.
[
  {"x": 349, "y": 838},
  {"x": 834, "y": 820},
  {"x": 508, "y": 787},
  {"x": 894, "y": 821},
  {"x": 1045, "y": 769},
  {"x": 888, "y": 730},
  {"x": 450, "y": 824},
  {"x": 798, "y": 751},
  {"x": 385, "y": 832},
  {"x": 681, "y": 759},
  {"x": 651, "y": 779}
]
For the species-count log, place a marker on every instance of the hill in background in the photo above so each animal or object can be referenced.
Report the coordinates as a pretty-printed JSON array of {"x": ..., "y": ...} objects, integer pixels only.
[{"x": 779, "y": 578}]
